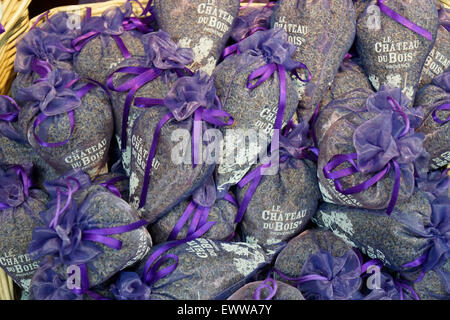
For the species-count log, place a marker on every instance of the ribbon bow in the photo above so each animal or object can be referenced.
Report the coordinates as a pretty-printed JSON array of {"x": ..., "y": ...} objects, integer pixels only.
[{"x": 376, "y": 153}]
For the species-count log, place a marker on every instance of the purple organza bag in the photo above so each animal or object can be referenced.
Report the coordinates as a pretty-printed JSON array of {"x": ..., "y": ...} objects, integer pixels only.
[
  {"x": 323, "y": 32},
  {"x": 203, "y": 26},
  {"x": 320, "y": 265},
  {"x": 104, "y": 42},
  {"x": 202, "y": 208},
  {"x": 150, "y": 76},
  {"x": 435, "y": 100},
  {"x": 438, "y": 61},
  {"x": 292, "y": 188},
  {"x": 414, "y": 240},
  {"x": 66, "y": 26},
  {"x": 173, "y": 129},
  {"x": 90, "y": 229},
  {"x": 68, "y": 122},
  {"x": 393, "y": 39},
  {"x": 369, "y": 159},
  {"x": 256, "y": 89},
  {"x": 20, "y": 204}
]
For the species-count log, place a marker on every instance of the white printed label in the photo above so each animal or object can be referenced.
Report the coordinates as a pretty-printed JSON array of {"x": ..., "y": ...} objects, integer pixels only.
[
  {"x": 202, "y": 248},
  {"x": 441, "y": 161},
  {"x": 84, "y": 158},
  {"x": 282, "y": 222},
  {"x": 435, "y": 64}
]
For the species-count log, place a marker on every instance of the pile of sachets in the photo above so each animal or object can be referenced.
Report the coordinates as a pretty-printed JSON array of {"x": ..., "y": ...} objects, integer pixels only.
[{"x": 295, "y": 150}]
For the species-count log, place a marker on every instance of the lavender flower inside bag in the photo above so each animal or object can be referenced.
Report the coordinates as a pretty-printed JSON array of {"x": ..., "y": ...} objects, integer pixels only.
[
  {"x": 368, "y": 159},
  {"x": 68, "y": 122},
  {"x": 323, "y": 32},
  {"x": 435, "y": 100},
  {"x": 20, "y": 204},
  {"x": 283, "y": 291},
  {"x": 90, "y": 229}
]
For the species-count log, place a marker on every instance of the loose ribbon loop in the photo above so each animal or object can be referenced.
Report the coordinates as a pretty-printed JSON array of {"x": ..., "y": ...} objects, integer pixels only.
[
  {"x": 269, "y": 284},
  {"x": 445, "y": 106},
  {"x": 69, "y": 194},
  {"x": 41, "y": 117},
  {"x": 111, "y": 187},
  {"x": 10, "y": 116},
  {"x": 401, "y": 285},
  {"x": 402, "y": 20}
]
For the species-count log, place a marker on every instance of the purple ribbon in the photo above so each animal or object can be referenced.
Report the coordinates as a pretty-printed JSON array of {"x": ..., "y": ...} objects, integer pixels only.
[
  {"x": 41, "y": 117},
  {"x": 198, "y": 220},
  {"x": 79, "y": 42},
  {"x": 402, "y": 20},
  {"x": 401, "y": 285},
  {"x": 269, "y": 284},
  {"x": 10, "y": 116},
  {"x": 111, "y": 187},
  {"x": 101, "y": 236},
  {"x": 143, "y": 76},
  {"x": 201, "y": 114},
  {"x": 69, "y": 194},
  {"x": 302, "y": 279},
  {"x": 445, "y": 106},
  {"x": 337, "y": 160}
]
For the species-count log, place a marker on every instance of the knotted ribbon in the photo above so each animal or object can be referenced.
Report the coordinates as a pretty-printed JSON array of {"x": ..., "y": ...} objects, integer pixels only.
[
  {"x": 402, "y": 20},
  {"x": 111, "y": 187},
  {"x": 162, "y": 55},
  {"x": 271, "y": 285},
  {"x": 373, "y": 160},
  {"x": 445, "y": 106}
]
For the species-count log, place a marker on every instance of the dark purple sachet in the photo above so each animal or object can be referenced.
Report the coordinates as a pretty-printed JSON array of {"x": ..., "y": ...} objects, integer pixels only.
[
  {"x": 204, "y": 201},
  {"x": 130, "y": 286},
  {"x": 319, "y": 252},
  {"x": 414, "y": 239},
  {"x": 384, "y": 143},
  {"x": 104, "y": 43},
  {"x": 162, "y": 55},
  {"x": 435, "y": 101},
  {"x": 435, "y": 184},
  {"x": 67, "y": 26},
  {"x": 251, "y": 19},
  {"x": 254, "y": 110},
  {"x": 206, "y": 270},
  {"x": 172, "y": 172},
  {"x": 76, "y": 209},
  {"x": 68, "y": 122},
  {"x": 392, "y": 54},
  {"x": 350, "y": 77},
  {"x": 284, "y": 291},
  {"x": 323, "y": 32},
  {"x": 286, "y": 198},
  {"x": 204, "y": 26},
  {"x": 438, "y": 61},
  {"x": 20, "y": 204}
]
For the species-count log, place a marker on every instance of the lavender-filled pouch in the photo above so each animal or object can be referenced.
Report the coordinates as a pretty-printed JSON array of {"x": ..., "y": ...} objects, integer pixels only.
[
  {"x": 104, "y": 42},
  {"x": 250, "y": 20},
  {"x": 202, "y": 25},
  {"x": 323, "y": 32},
  {"x": 149, "y": 76},
  {"x": 20, "y": 204},
  {"x": 369, "y": 159},
  {"x": 438, "y": 61},
  {"x": 68, "y": 122},
  {"x": 435, "y": 100},
  {"x": 282, "y": 291},
  {"x": 320, "y": 265},
  {"x": 284, "y": 200},
  {"x": 189, "y": 216},
  {"x": 350, "y": 77},
  {"x": 87, "y": 232},
  {"x": 394, "y": 41},
  {"x": 14, "y": 149},
  {"x": 414, "y": 238},
  {"x": 256, "y": 89},
  {"x": 38, "y": 52},
  {"x": 169, "y": 156},
  {"x": 201, "y": 269}
]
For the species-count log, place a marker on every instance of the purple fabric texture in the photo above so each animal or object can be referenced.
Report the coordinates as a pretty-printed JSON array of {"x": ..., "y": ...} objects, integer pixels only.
[
  {"x": 163, "y": 53},
  {"x": 9, "y": 111},
  {"x": 54, "y": 94},
  {"x": 38, "y": 45},
  {"x": 14, "y": 185},
  {"x": 206, "y": 195},
  {"x": 253, "y": 18},
  {"x": 435, "y": 184},
  {"x": 273, "y": 45},
  {"x": 387, "y": 291},
  {"x": 443, "y": 81},
  {"x": 60, "y": 24},
  {"x": 190, "y": 93},
  {"x": 343, "y": 274},
  {"x": 130, "y": 286},
  {"x": 46, "y": 284}
]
